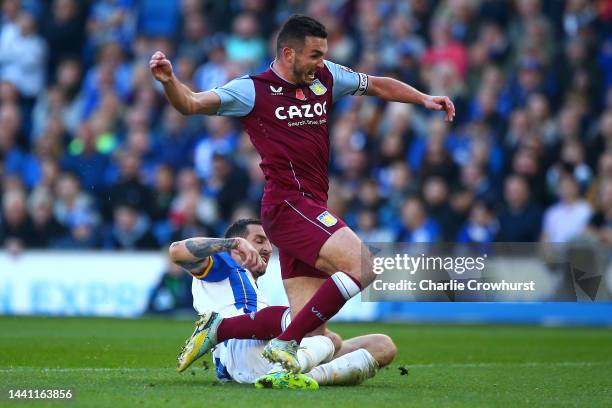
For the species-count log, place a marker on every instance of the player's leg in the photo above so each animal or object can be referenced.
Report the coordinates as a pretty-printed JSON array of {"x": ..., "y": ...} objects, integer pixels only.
[
  {"x": 380, "y": 346},
  {"x": 358, "y": 360},
  {"x": 323, "y": 242},
  {"x": 299, "y": 290},
  {"x": 211, "y": 329},
  {"x": 265, "y": 324},
  {"x": 243, "y": 362},
  {"x": 349, "y": 263},
  {"x": 313, "y": 351}
]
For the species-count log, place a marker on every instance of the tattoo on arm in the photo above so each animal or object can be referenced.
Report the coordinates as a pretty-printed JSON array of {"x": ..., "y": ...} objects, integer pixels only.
[
  {"x": 205, "y": 247},
  {"x": 202, "y": 248}
]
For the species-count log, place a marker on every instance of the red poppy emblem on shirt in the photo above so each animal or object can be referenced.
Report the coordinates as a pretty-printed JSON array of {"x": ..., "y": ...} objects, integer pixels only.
[{"x": 300, "y": 94}]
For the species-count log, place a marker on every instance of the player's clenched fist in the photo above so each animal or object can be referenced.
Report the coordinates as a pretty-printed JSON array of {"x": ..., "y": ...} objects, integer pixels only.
[
  {"x": 161, "y": 67},
  {"x": 249, "y": 255}
]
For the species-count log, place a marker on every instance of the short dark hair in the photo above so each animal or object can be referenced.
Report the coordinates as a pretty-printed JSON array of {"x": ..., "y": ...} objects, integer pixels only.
[
  {"x": 297, "y": 28},
  {"x": 239, "y": 227}
]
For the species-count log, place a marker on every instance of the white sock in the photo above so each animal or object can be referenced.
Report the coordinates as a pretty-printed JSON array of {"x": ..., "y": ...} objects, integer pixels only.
[
  {"x": 314, "y": 351},
  {"x": 350, "y": 369}
]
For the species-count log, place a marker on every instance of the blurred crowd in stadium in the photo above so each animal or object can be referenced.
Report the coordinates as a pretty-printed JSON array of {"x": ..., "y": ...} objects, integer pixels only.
[{"x": 92, "y": 155}]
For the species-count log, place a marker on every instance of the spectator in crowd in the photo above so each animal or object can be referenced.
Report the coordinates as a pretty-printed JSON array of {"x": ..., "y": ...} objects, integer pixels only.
[
  {"x": 188, "y": 218},
  {"x": 75, "y": 211},
  {"x": 11, "y": 153},
  {"x": 215, "y": 71},
  {"x": 244, "y": 45},
  {"x": 172, "y": 294},
  {"x": 220, "y": 138},
  {"x": 85, "y": 160},
  {"x": 367, "y": 197},
  {"x": 228, "y": 185},
  {"x": 600, "y": 224},
  {"x": 369, "y": 230},
  {"x": 438, "y": 162},
  {"x": 110, "y": 21},
  {"x": 572, "y": 160},
  {"x": 46, "y": 231},
  {"x": 10, "y": 25},
  {"x": 175, "y": 143},
  {"x": 49, "y": 174},
  {"x": 478, "y": 181},
  {"x": 130, "y": 230},
  {"x": 129, "y": 186},
  {"x": 481, "y": 227},
  {"x": 158, "y": 18},
  {"x": 568, "y": 218},
  {"x": 163, "y": 193},
  {"x": 16, "y": 230},
  {"x": 604, "y": 173},
  {"x": 68, "y": 80},
  {"x": 436, "y": 196},
  {"x": 520, "y": 218},
  {"x": 64, "y": 32},
  {"x": 193, "y": 43},
  {"x": 398, "y": 183},
  {"x": 602, "y": 142},
  {"x": 23, "y": 59},
  {"x": 446, "y": 48},
  {"x": 416, "y": 225}
]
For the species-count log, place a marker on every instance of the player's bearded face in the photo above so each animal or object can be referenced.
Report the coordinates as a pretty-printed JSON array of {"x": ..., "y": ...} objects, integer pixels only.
[
  {"x": 257, "y": 237},
  {"x": 308, "y": 59},
  {"x": 304, "y": 73}
]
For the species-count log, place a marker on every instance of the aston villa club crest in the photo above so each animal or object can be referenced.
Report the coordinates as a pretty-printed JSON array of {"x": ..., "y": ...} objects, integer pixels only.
[
  {"x": 299, "y": 94},
  {"x": 318, "y": 88},
  {"x": 327, "y": 219}
]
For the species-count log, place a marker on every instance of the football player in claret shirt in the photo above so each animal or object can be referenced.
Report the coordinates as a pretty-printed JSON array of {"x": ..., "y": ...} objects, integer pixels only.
[{"x": 285, "y": 112}]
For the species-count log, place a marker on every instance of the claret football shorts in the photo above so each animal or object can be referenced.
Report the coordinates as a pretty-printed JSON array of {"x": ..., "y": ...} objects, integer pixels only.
[{"x": 299, "y": 226}]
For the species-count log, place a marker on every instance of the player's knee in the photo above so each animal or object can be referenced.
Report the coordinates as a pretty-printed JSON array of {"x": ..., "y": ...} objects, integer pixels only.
[
  {"x": 391, "y": 351},
  {"x": 335, "y": 338},
  {"x": 386, "y": 350},
  {"x": 364, "y": 273}
]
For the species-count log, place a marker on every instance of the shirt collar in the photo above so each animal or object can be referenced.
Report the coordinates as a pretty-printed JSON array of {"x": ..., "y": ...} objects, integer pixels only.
[{"x": 279, "y": 75}]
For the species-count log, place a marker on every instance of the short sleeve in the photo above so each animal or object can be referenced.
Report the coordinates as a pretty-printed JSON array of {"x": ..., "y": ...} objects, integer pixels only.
[
  {"x": 237, "y": 97},
  {"x": 218, "y": 269},
  {"x": 346, "y": 81}
]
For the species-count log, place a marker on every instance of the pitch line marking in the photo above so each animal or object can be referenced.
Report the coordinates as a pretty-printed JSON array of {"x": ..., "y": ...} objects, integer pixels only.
[{"x": 433, "y": 365}]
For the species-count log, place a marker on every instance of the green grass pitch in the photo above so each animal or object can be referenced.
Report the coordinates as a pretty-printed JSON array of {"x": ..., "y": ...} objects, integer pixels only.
[{"x": 108, "y": 362}]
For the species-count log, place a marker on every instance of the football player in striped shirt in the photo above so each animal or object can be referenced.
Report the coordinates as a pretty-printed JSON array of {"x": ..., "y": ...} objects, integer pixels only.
[{"x": 237, "y": 321}]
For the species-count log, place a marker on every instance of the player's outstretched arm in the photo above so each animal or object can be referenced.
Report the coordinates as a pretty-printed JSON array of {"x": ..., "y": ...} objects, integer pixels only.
[
  {"x": 393, "y": 90},
  {"x": 180, "y": 96},
  {"x": 193, "y": 254}
]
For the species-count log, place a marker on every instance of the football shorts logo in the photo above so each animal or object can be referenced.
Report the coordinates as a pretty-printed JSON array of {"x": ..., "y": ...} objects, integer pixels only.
[
  {"x": 327, "y": 219},
  {"x": 276, "y": 91},
  {"x": 300, "y": 94},
  {"x": 318, "y": 88}
]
